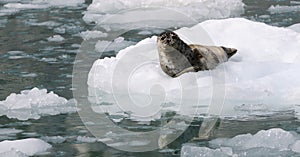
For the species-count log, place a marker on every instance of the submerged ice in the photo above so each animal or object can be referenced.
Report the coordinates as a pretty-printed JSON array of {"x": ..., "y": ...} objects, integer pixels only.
[
  {"x": 264, "y": 72},
  {"x": 31, "y": 104}
]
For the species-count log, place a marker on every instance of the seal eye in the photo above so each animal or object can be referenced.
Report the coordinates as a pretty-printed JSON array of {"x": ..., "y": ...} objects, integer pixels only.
[
  {"x": 163, "y": 38},
  {"x": 173, "y": 37}
]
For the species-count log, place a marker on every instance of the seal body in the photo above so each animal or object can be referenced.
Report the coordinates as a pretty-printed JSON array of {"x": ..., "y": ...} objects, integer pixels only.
[{"x": 176, "y": 57}]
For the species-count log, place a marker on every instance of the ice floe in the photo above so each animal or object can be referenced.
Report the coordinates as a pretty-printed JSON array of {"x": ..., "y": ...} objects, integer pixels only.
[
  {"x": 295, "y": 27},
  {"x": 277, "y": 9},
  {"x": 40, "y": 4},
  {"x": 85, "y": 139},
  {"x": 92, "y": 34},
  {"x": 12, "y": 7},
  {"x": 56, "y": 38},
  {"x": 31, "y": 104},
  {"x": 126, "y": 14},
  {"x": 264, "y": 72},
  {"x": 9, "y": 133},
  {"x": 54, "y": 139},
  {"x": 25, "y": 147},
  {"x": 272, "y": 142}
]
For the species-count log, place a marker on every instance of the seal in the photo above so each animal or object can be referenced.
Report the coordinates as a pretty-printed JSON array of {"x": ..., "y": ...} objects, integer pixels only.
[{"x": 176, "y": 57}]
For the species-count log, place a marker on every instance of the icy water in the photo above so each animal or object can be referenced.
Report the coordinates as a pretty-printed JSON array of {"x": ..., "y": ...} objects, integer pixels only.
[{"x": 29, "y": 60}]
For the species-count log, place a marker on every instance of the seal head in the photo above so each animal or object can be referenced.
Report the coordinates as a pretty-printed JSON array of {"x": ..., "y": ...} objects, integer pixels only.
[{"x": 173, "y": 54}]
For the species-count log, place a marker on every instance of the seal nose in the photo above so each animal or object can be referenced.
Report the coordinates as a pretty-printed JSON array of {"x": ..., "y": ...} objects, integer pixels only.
[{"x": 229, "y": 51}]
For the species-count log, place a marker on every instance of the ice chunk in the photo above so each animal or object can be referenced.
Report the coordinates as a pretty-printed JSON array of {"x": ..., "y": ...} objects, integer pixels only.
[
  {"x": 8, "y": 131},
  {"x": 49, "y": 24},
  {"x": 29, "y": 75},
  {"x": 24, "y": 6},
  {"x": 295, "y": 27},
  {"x": 56, "y": 38},
  {"x": 194, "y": 151},
  {"x": 283, "y": 9},
  {"x": 12, "y": 7},
  {"x": 31, "y": 104},
  {"x": 85, "y": 139},
  {"x": 13, "y": 153},
  {"x": 54, "y": 139},
  {"x": 125, "y": 14},
  {"x": 250, "y": 77},
  {"x": 272, "y": 142},
  {"x": 40, "y": 4},
  {"x": 92, "y": 34},
  {"x": 59, "y": 3},
  {"x": 274, "y": 138},
  {"x": 295, "y": 2},
  {"x": 296, "y": 146},
  {"x": 30, "y": 146}
]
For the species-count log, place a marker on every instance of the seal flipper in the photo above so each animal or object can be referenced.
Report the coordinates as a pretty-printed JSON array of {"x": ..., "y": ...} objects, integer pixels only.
[{"x": 189, "y": 69}]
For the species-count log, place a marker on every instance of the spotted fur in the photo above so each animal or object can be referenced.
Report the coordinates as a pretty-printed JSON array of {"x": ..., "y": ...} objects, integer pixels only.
[{"x": 176, "y": 57}]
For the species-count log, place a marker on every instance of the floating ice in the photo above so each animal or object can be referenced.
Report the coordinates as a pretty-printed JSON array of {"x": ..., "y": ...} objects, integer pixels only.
[
  {"x": 273, "y": 142},
  {"x": 31, "y": 104},
  {"x": 12, "y": 7},
  {"x": 13, "y": 153},
  {"x": 49, "y": 24},
  {"x": 295, "y": 27},
  {"x": 295, "y": 2},
  {"x": 87, "y": 35},
  {"x": 194, "y": 151},
  {"x": 85, "y": 139},
  {"x": 56, "y": 38},
  {"x": 125, "y": 14},
  {"x": 29, "y": 147},
  {"x": 264, "y": 72},
  {"x": 40, "y": 4},
  {"x": 9, "y": 131},
  {"x": 24, "y": 6},
  {"x": 54, "y": 139},
  {"x": 283, "y": 9}
]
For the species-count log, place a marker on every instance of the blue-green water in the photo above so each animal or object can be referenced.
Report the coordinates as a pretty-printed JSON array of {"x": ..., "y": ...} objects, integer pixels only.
[{"x": 35, "y": 62}]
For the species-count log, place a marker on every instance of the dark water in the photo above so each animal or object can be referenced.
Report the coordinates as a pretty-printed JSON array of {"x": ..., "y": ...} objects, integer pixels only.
[{"x": 43, "y": 64}]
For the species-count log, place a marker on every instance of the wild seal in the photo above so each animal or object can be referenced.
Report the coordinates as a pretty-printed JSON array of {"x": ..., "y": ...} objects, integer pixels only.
[{"x": 176, "y": 57}]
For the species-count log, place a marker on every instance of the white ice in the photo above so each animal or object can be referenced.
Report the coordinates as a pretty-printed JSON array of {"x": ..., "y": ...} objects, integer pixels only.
[
  {"x": 272, "y": 142},
  {"x": 9, "y": 133},
  {"x": 87, "y": 35},
  {"x": 54, "y": 139},
  {"x": 264, "y": 73},
  {"x": 12, "y": 7},
  {"x": 40, "y": 4},
  {"x": 31, "y": 104},
  {"x": 56, "y": 38},
  {"x": 126, "y": 14},
  {"x": 277, "y": 9},
  {"x": 25, "y": 147},
  {"x": 295, "y": 27},
  {"x": 85, "y": 139}
]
